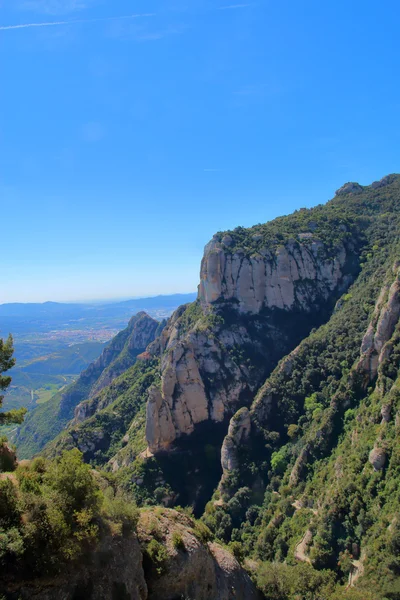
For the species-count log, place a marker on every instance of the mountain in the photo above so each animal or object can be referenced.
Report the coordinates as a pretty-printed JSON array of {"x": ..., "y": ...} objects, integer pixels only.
[
  {"x": 271, "y": 404},
  {"x": 46, "y": 421},
  {"x": 47, "y": 310}
]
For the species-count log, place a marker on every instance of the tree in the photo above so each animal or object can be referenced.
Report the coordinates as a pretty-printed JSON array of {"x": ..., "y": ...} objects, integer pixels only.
[{"x": 6, "y": 363}]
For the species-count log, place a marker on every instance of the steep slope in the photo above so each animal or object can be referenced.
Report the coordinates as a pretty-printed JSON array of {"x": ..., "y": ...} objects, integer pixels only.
[
  {"x": 311, "y": 471},
  {"x": 279, "y": 385},
  {"x": 262, "y": 290},
  {"x": 45, "y": 422},
  {"x": 66, "y": 532}
]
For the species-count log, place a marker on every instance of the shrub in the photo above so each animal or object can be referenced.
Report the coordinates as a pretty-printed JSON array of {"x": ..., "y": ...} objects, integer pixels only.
[
  {"x": 202, "y": 532},
  {"x": 158, "y": 555},
  {"x": 177, "y": 541},
  {"x": 121, "y": 511}
]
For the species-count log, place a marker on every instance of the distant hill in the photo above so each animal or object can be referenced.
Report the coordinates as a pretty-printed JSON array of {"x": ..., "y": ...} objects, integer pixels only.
[
  {"x": 68, "y": 310},
  {"x": 46, "y": 421}
]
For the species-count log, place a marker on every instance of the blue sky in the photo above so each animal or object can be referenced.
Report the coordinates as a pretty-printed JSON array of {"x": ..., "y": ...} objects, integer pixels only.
[{"x": 132, "y": 131}]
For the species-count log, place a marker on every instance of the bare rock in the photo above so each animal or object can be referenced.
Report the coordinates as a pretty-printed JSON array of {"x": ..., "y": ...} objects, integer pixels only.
[
  {"x": 238, "y": 433},
  {"x": 349, "y": 188},
  {"x": 192, "y": 569},
  {"x": 383, "y": 182},
  {"x": 8, "y": 458},
  {"x": 227, "y": 240},
  {"x": 295, "y": 275},
  {"x": 200, "y": 382},
  {"x": 386, "y": 413},
  {"x": 377, "y": 458},
  {"x": 375, "y": 346}
]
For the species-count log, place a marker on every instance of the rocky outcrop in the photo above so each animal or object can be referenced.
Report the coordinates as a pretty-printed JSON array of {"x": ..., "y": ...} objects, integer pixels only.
[
  {"x": 349, "y": 188},
  {"x": 387, "y": 180},
  {"x": 113, "y": 570},
  {"x": 294, "y": 275},
  {"x": 238, "y": 433},
  {"x": 123, "y": 568},
  {"x": 375, "y": 345},
  {"x": 191, "y": 568},
  {"x": 377, "y": 458},
  {"x": 205, "y": 374},
  {"x": 201, "y": 380},
  {"x": 8, "y": 458}
]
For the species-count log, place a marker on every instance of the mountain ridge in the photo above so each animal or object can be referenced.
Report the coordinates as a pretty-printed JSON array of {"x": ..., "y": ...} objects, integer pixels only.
[{"x": 271, "y": 403}]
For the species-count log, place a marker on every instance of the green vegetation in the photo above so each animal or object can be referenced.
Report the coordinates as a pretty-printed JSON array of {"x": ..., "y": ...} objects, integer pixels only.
[
  {"x": 6, "y": 363},
  {"x": 43, "y": 424},
  {"x": 124, "y": 402},
  {"x": 307, "y": 467},
  {"x": 157, "y": 554},
  {"x": 306, "y": 506},
  {"x": 52, "y": 512},
  {"x": 177, "y": 541}
]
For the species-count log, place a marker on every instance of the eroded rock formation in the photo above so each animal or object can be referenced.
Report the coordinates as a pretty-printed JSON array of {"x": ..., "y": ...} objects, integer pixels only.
[
  {"x": 122, "y": 568},
  {"x": 205, "y": 373},
  {"x": 238, "y": 433},
  {"x": 192, "y": 568},
  {"x": 375, "y": 346},
  {"x": 293, "y": 275}
]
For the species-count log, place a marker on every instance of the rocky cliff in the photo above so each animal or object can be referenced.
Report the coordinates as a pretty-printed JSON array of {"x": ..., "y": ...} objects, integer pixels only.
[
  {"x": 291, "y": 275},
  {"x": 123, "y": 568},
  {"x": 246, "y": 306}
]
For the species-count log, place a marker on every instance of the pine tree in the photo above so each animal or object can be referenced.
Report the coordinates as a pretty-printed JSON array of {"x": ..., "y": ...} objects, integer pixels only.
[{"x": 7, "y": 361}]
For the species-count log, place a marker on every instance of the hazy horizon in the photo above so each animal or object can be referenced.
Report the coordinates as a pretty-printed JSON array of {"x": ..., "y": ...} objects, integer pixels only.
[{"x": 105, "y": 300}]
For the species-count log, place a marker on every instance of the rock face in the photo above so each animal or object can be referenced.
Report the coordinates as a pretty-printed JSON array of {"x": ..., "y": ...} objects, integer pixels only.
[
  {"x": 383, "y": 182},
  {"x": 293, "y": 275},
  {"x": 205, "y": 373},
  {"x": 114, "y": 570},
  {"x": 195, "y": 569},
  {"x": 8, "y": 458},
  {"x": 376, "y": 342},
  {"x": 203, "y": 379},
  {"x": 349, "y": 188},
  {"x": 121, "y": 568},
  {"x": 238, "y": 433},
  {"x": 377, "y": 458}
]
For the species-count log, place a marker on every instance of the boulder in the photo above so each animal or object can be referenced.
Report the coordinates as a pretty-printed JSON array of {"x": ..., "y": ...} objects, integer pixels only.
[{"x": 377, "y": 458}]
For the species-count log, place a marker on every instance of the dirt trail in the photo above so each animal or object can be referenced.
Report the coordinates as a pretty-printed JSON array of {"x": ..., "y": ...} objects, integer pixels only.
[
  {"x": 356, "y": 571},
  {"x": 300, "y": 552}
]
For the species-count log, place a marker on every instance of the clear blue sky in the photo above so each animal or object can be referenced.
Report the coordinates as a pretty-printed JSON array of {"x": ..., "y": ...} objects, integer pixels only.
[{"x": 125, "y": 143}]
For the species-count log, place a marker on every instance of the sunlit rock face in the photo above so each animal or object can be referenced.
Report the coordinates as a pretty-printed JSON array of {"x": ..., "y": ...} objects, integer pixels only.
[
  {"x": 293, "y": 274},
  {"x": 201, "y": 376}
]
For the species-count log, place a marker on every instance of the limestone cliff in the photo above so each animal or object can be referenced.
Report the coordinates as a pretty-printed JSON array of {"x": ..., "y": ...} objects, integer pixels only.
[
  {"x": 375, "y": 347},
  {"x": 291, "y": 275},
  {"x": 246, "y": 317}
]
